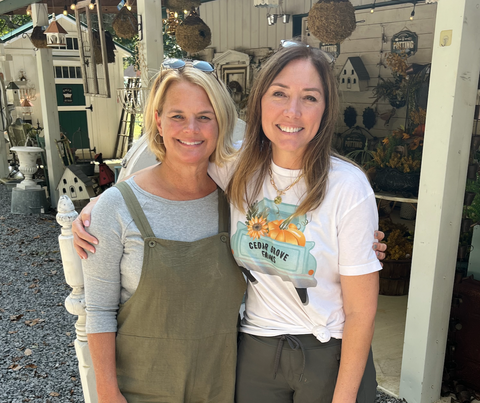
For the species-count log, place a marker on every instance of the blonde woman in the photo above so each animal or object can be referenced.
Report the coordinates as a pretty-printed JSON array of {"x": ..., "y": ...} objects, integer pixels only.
[{"x": 163, "y": 290}]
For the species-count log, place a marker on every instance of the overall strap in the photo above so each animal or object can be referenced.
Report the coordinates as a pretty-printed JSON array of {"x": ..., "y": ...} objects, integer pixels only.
[
  {"x": 223, "y": 212},
  {"x": 135, "y": 210}
]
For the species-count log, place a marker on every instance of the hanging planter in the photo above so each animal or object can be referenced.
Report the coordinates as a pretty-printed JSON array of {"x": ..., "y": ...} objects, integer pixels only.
[
  {"x": 125, "y": 24},
  {"x": 193, "y": 35},
  {"x": 98, "y": 49},
  {"x": 180, "y": 6},
  {"x": 332, "y": 21},
  {"x": 392, "y": 180},
  {"x": 38, "y": 38},
  {"x": 469, "y": 196}
]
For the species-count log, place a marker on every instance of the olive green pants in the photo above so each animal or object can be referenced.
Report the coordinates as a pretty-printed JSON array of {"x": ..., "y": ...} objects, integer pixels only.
[{"x": 302, "y": 370}]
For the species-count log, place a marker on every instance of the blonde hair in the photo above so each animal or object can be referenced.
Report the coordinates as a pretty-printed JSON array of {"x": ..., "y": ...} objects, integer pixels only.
[
  {"x": 256, "y": 152},
  {"x": 218, "y": 95}
]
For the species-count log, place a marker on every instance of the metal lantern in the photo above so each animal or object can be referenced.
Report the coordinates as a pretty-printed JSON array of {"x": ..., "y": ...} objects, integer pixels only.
[
  {"x": 56, "y": 34},
  {"x": 27, "y": 109}
]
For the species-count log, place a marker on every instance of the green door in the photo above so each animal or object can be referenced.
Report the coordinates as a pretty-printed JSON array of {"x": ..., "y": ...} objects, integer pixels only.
[{"x": 73, "y": 123}]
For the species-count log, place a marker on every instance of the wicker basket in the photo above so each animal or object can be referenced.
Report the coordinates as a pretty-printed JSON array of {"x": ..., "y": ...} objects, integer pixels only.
[
  {"x": 193, "y": 35},
  {"x": 332, "y": 21},
  {"x": 125, "y": 24},
  {"x": 395, "y": 277},
  {"x": 38, "y": 38}
]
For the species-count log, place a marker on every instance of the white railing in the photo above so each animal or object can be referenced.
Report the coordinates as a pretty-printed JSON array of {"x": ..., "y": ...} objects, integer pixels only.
[{"x": 75, "y": 302}]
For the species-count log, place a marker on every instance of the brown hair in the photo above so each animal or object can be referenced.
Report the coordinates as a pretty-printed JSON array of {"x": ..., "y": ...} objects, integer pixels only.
[
  {"x": 256, "y": 153},
  {"x": 218, "y": 95}
]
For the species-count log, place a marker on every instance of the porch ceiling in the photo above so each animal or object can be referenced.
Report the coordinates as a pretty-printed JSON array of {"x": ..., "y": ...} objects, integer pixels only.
[{"x": 57, "y": 6}]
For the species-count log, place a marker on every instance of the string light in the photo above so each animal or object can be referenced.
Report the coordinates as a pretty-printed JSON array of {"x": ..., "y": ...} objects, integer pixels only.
[
  {"x": 91, "y": 6},
  {"x": 128, "y": 5},
  {"x": 73, "y": 6},
  {"x": 29, "y": 10},
  {"x": 413, "y": 11},
  {"x": 373, "y": 6},
  {"x": 65, "y": 11}
]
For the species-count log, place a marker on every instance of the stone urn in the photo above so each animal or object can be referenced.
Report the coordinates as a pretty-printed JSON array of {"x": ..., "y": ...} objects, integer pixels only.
[{"x": 27, "y": 157}]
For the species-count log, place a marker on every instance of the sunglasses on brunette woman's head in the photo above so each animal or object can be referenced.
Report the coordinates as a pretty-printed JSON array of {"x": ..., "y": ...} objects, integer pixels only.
[{"x": 288, "y": 44}]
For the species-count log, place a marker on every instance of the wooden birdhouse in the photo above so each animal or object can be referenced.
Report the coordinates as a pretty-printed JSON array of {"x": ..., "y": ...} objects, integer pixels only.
[
  {"x": 56, "y": 34},
  {"x": 75, "y": 184},
  {"x": 354, "y": 76}
]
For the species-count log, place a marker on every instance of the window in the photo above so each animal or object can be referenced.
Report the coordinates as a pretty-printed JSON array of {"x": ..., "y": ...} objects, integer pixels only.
[
  {"x": 68, "y": 72},
  {"x": 72, "y": 43},
  {"x": 343, "y": 81},
  {"x": 354, "y": 80},
  {"x": 353, "y": 72},
  {"x": 345, "y": 72}
]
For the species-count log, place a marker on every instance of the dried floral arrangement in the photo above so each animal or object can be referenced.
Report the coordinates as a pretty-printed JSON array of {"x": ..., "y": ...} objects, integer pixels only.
[{"x": 399, "y": 240}]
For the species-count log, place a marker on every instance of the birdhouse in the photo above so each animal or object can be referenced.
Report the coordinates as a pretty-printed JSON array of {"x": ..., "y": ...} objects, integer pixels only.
[
  {"x": 354, "y": 76},
  {"x": 56, "y": 34},
  {"x": 75, "y": 184}
]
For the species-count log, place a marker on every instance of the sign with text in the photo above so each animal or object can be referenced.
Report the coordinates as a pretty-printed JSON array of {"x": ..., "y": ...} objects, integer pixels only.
[{"x": 405, "y": 42}]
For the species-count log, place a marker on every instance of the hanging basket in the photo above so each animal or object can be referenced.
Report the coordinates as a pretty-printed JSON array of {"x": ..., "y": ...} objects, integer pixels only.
[
  {"x": 181, "y": 5},
  {"x": 125, "y": 24},
  {"x": 98, "y": 49},
  {"x": 332, "y": 21},
  {"x": 38, "y": 38},
  {"x": 193, "y": 35}
]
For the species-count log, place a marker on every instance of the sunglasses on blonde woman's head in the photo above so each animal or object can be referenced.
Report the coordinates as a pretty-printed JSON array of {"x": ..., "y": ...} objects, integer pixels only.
[
  {"x": 179, "y": 64},
  {"x": 289, "y": 44}
]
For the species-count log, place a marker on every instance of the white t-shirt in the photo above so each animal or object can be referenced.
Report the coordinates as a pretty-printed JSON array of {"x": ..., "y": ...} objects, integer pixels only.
[{"x": 296, "y": 267}]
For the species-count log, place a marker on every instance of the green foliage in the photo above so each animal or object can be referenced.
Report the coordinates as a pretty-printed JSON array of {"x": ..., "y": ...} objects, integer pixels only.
[
  {"x": 473, "y": 211},
  {"x": 8, "y": 23}
]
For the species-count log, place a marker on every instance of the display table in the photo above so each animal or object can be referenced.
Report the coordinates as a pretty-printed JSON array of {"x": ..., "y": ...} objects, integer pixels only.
[{"x": 391, "y": 197}]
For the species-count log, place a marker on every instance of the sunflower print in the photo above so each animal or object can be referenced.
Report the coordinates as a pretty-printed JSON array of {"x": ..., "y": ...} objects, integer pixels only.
[{"x": 257, "y": 227}]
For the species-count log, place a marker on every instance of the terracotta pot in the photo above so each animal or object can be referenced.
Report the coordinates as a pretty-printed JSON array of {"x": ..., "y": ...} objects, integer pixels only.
[
  {"x": 472, "y": 171},
  {"x": 469, "y": 196},
  {"x": 475, "y": 142},
  {"x": 466, "y": 224}
]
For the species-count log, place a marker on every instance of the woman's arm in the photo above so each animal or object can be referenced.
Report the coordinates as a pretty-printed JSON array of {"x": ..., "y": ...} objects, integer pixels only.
[
  {"x": 102, "y": 350},
  {"x": 360, "y": 294}
]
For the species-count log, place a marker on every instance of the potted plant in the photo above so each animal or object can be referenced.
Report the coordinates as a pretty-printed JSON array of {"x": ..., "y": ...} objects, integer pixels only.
[
  {"x": 394, "y": 89},
  {"x": 395, "y": 276}
]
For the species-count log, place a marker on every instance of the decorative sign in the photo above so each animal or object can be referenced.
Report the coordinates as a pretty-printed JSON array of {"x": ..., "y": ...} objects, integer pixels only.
[
  {"x": 405, "y": 42},
  {"x": 332, "y": 48},
  {"x": 67, "y": 96},
  {"x": 353, "y": 141}
]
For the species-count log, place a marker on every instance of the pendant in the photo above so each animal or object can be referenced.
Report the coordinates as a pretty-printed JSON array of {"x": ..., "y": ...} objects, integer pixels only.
[{"x": 277, "y": 200}]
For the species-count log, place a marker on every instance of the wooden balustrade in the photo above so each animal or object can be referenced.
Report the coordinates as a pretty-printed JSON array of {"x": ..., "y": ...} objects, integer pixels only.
[{"x": 75, "y": 302}]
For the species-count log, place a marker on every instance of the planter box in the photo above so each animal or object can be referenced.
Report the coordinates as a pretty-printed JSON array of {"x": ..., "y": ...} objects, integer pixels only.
[{"x": 395, "y": 277}]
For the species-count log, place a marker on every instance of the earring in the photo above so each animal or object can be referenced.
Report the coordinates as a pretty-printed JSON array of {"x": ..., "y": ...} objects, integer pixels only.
[{"x": 161, "y": 139}]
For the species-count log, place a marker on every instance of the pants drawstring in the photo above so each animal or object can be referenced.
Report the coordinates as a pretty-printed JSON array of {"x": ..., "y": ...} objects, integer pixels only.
[{"x": 294, "y": 344}]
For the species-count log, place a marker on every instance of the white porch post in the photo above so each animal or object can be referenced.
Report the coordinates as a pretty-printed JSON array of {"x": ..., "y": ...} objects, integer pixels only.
[
  {"x": 75, "y": 302},
  {"x": 51, "y": 123},
  {"x": 453, "y": 89},
  {"x": 152, "y": 42}
]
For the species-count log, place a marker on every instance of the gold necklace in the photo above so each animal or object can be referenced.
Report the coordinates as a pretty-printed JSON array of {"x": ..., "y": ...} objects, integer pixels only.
[{"x": 281, "y": 192}]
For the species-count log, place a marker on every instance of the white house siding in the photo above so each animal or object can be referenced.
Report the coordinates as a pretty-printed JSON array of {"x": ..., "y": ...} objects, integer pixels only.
[
  {"x": 103, "y": 122},
  {"x": 238, "y": 25}
]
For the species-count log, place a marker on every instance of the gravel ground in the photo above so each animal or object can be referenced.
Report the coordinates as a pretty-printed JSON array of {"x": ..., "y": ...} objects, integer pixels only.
[
  {"x": 37, "y": 356},
  {"x": 37, "y": 360}
]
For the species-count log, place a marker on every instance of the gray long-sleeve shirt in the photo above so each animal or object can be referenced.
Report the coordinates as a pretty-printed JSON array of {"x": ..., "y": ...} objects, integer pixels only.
[{"x": 112, "y": 273}]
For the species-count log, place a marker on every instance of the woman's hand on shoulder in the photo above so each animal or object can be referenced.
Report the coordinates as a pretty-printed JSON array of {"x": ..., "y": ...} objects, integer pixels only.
[
  {"x": 82, "y": 240},
  {"x": 378, "y": 246}
]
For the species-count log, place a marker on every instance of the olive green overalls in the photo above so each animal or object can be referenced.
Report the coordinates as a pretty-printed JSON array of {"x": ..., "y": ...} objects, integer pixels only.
[{"x": 177, "y": 334}]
